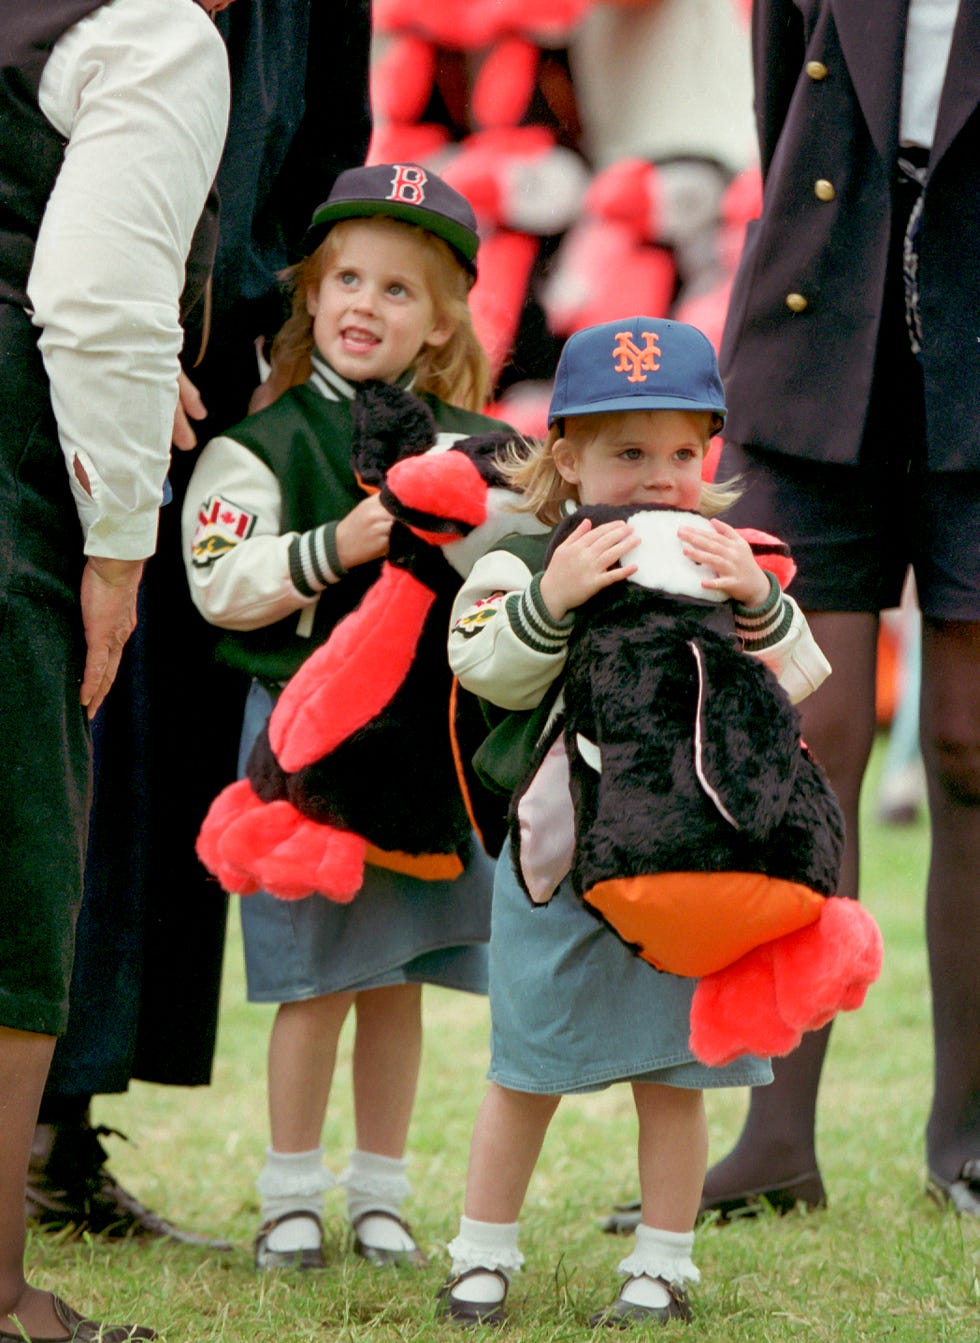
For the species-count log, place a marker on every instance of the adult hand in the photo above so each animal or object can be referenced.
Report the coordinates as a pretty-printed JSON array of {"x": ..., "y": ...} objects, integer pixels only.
[
  {"x": 363, "y": 534},
  {"x": 108, "y": 594},
  {"x": 189, "y": 407},
  {"x": 730, "y": 556},
  {"x": 585, "y": 563}
]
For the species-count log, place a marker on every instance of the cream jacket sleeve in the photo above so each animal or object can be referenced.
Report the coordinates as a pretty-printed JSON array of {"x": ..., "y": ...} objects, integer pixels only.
[
  {"x": 506, "y": 648},
  {"x": 503, "y": 644},
  {"x": 140, "y": 91}
]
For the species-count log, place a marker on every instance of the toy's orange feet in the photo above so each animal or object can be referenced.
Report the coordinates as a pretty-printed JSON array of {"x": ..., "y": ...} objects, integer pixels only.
[
  {"x": 250, "y": 845},
  {"x": 313, "y": 859},
  {"x": 764, "y": 1002},
  {"x": 735, "y": 1011},
  {"x": 828, "y": 966},
  {"x": 229, "y": 806}
]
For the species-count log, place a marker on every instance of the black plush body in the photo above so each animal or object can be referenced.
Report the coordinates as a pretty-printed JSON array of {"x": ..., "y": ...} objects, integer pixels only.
[
  {"x": 702, "y": 766},
  {"x": 394, "y": 780}
]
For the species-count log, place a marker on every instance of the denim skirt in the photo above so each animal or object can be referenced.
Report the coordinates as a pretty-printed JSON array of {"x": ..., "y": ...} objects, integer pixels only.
[{"x": 573, "y": 1009}]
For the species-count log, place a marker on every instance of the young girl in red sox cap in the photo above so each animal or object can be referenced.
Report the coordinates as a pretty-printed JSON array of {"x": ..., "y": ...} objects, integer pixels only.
[{"x": 281, "y": 543}]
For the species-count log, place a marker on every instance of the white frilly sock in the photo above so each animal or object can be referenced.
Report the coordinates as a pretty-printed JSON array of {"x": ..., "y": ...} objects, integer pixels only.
[
  {"x": 293, "y": 1182},
  {"x": 657, "y": 1254},
  {"x": 486, "y": 1245},
  {"x": 376, "y": 1183}
]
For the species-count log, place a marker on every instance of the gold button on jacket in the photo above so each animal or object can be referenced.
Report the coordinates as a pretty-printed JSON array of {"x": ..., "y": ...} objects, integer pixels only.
[
  {"x": 824, "y": 190},
  {"x": 796, "y": 302},
  {"x": 816, "y": 70}
]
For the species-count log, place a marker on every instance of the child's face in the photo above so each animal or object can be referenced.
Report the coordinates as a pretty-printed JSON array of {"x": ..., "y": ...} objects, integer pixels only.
[
  {"x": 372, "y": 310},
  {"x": 635, "y": 457}
]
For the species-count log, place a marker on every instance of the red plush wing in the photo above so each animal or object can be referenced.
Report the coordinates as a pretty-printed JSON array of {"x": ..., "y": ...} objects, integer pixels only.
[{"x": 350, "y": 679}]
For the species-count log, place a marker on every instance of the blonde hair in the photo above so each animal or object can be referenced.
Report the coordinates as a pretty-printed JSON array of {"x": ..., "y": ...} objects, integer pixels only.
[
  {"x": 530, "y": 468},
  {"x": 457, "y": 372}
]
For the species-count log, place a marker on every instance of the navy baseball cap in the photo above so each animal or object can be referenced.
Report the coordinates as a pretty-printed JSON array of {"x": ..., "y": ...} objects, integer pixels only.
[
  {"x": 639, "y": 363},
  {"x": 401, "y": 191}
]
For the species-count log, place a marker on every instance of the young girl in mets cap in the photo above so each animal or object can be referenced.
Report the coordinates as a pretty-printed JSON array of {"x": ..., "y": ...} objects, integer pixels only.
[
  {"x": 281, "y": 542},
  {"x": 573, "y": 1007}
]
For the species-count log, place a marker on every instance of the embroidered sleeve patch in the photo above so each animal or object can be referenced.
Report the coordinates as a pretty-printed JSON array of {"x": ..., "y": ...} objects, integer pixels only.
[
  {"x": 478, "y": 616},
  {"x": 220, "y": 526}
]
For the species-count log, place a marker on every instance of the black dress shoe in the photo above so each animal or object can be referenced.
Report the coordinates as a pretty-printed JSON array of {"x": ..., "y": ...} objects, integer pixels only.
[
  {"x": 379, "y": 1255},
  {"x": 83, "y": 1331},
  {"x": 806, "y": 1189},
  {"x": 68, "y": 1186},
  {"x": 623, "y": 1220},
  {"x": 463, "y": 1312},
  {"x": 961, "y": 1194},
  {"x": 623, "y": 1313},
  {"x": 312, "y": 1257}
]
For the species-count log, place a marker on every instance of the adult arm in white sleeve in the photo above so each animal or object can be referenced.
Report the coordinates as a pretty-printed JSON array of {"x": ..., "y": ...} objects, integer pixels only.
[{"x": 139, "y": 89}]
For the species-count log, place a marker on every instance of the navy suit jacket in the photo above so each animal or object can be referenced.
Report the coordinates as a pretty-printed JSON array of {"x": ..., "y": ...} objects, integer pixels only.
[{"x": 799, "y": 345}]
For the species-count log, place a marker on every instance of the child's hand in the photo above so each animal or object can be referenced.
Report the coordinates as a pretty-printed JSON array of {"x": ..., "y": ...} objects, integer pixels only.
[
  {"x": 363, "y": 534},
  {"x": 726, "y": 552},
  {"x": 585, "y": 563}
]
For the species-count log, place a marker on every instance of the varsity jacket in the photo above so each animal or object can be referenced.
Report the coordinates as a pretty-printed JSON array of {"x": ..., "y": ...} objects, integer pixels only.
[{"x": 260, "y": 518}]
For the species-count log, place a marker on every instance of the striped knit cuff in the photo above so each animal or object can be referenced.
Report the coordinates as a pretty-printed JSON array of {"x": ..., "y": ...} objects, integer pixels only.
[
  {"x": 533, "y": 623},
  {"x": 762, "y": 626},
  {"x": 313, "y": 560}
]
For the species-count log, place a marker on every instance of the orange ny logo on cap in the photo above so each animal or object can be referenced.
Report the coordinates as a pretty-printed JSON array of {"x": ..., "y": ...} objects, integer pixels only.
[
  {"x": 634, "y": 359},
  {"x": 407, "y": 184}
]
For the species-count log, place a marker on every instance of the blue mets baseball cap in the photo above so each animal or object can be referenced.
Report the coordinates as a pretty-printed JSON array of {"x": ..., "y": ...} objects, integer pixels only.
[
  {"x": 401, "y": 191},
  {"x": 639, "y": 363}
]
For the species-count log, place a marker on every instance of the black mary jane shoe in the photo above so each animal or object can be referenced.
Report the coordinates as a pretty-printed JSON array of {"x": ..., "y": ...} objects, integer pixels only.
[
  {"x": 621, "y": 1314},
  {"x": 302, "y": 1260},
  {"x": 70, "y": 1189},
  {"x": 961, "y": 1194},
  {"x": 381, "y": 1257},
  {"x": 463, "y": 1312},
  {"x": 83, "y": 1331}
]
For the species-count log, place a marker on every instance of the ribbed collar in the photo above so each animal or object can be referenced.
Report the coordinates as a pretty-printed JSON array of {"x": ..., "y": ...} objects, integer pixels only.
[{"x": 328, "y": 382}]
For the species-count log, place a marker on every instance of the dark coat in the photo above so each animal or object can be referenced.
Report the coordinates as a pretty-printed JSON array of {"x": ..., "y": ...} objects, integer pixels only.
[
  {"x": 828, "y": 80},
  {"x": 168, "y": 735}
]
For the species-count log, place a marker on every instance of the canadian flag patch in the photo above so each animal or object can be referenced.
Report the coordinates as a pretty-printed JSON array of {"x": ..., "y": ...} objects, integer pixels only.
[{"x": 221, "y": 524}]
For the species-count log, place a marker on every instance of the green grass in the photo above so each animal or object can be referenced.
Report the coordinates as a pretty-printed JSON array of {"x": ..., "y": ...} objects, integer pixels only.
[{"x": 882, "y": 1263}]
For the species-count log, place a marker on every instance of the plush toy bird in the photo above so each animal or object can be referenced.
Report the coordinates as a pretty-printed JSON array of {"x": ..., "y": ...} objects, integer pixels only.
[
  {"x": 695, "y": 823},
  {"x": 356, "y": 764}
]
